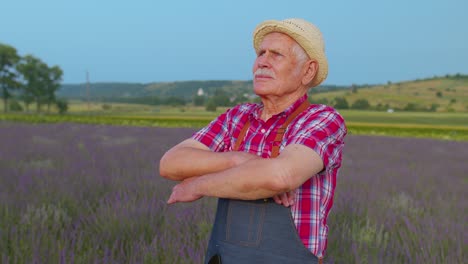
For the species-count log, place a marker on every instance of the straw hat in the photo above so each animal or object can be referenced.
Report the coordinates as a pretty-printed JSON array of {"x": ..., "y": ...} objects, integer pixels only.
[{"x": 306, "y": 34}]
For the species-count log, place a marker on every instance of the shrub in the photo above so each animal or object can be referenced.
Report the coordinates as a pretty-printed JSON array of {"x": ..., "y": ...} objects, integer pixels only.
[
  {"x": 411, "y": 107},
  {"x": 62, "y": 106},
  {"x": 211, "y": 105},
  {"x": 15, "y": 106},
  {"x": 314, "y": 100},
  {"x": 106, "y": 106},
  {"x": 341, "y": 103},
  {"x": 199, "y": 100},
  {"x": 434, "y": 107},
  {"x": 361, "y": 104}
]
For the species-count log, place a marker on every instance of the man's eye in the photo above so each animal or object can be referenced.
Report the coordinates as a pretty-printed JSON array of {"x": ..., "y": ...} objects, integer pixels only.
[{"x": 276, "y": 53}]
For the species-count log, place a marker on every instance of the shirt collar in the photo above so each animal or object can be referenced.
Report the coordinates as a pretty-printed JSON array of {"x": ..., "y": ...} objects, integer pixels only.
[{"x": 256, "y": 113}]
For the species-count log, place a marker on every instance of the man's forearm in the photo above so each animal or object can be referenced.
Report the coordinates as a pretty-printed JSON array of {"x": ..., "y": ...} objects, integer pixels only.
[
  {"x": 186, "y": 162},
  {"x": 241, "y": 183},
  {"x": 253, "y": 179}
]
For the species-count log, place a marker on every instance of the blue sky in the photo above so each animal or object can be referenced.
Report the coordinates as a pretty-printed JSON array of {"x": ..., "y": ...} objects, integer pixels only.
[{"x": 156, "y": 41}]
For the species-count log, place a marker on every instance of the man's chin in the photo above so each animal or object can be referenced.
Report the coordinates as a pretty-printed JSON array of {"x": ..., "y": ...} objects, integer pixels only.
[
  {"x": 261, "y": 91},
  {"x": 261, "y": 88}
]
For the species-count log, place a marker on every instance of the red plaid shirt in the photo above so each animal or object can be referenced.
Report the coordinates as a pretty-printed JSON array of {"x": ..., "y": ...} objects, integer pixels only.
[{"x": 319, "y": 127}]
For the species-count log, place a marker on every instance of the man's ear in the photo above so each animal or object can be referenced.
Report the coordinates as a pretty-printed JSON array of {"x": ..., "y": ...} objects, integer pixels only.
[{"x": 310, "y": 71}]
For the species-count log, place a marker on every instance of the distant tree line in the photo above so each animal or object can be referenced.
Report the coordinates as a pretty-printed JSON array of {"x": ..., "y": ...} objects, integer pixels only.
[
  {"x": 220, "y": 98},
  {"x": 363, "y": 104},
  {"x": 30, "y": 80}
]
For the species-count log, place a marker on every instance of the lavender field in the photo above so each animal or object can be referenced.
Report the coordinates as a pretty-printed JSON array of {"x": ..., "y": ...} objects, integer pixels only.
[{"x": 74, "y": 193}]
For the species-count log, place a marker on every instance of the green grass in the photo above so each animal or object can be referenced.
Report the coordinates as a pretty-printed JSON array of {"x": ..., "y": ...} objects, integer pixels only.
[
  {"x": 448, "y": 126},
  {"x": 453, "y": 94},
  {"x": 412, "y": 118},
  {"x": 439, "y": 125}
]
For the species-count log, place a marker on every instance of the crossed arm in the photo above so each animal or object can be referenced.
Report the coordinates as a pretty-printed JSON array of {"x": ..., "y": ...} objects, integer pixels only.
[{"x": 236, "y": 175}]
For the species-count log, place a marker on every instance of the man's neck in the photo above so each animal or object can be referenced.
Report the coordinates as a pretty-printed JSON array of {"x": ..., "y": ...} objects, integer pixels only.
[{"x": 273, "y": 105}]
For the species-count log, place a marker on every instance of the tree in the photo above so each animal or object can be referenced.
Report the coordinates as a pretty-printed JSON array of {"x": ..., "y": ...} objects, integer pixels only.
[
  {"x": 411, "y": 107},
  {"x": 361, "y": 104},
  {"x": 15, "y": 106},
  {"x": 341, "y": 103},
  {"x": 9, "y": 58},
  {"x": 33, "y": 71},
  {"x": 174, "y": 101},
  {"x": 52, "y": 79},
  {"x": 62, "y": 106},
  {"x": 314, "y": 100},
  {"x": 40, "y": 82},
  {"x": 221, "y": 98},
  {"x": 434, "y": 107},
  {"x": 211, "y": 105},
  {"x": 199, "y": 100}
]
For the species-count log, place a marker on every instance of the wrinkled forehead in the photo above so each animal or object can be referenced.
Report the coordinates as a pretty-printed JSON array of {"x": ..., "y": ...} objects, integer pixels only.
[{"x": 276, "y": 40}]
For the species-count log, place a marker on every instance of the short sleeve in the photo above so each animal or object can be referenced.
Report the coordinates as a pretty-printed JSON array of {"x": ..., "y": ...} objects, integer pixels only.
[
  {"x": 214, "y": 135},
  {"x": 322, "y": 130}
]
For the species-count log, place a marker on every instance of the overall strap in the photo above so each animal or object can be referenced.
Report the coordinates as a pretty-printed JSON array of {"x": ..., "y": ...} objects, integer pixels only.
[
  {"x": 279, "y": 133},
  {"x": 282, "y": 129},
  {"x": 241, "y": 136}
]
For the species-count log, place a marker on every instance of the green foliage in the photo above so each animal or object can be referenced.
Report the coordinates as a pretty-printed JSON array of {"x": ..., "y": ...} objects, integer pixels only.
[
  {"x": 15, "y": 106},
  {"x": 439, "y": 94},
  {"x": 199, "y": 100},
  {"x": 106, "y": 107},
  {"x": 434, "y": 107},
  {"x": 8, "y": 62},
  {"x": 382, "y": 107},
  {"x": 361, "y": 104},
  {"x": 211, "y": 105},
  {"x": 38, "y": 84},
  {"x": 221, "y": 98},
  {"x": 440, "y": 129},
  {"x": 41, "y": 82},
  {"x": 175, "y": 101},
  {"x": 314, "y": 100},
  {"x": 422, "y": 132},
  {"x": 147, "y": 100},
  {"x": 411, "y": 107},
  {"x": 62, "y": 106},
  {"x": 341, "y": 103}
]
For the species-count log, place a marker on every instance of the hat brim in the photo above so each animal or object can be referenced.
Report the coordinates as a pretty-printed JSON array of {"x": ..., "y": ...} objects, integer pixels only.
[{"x": 297, "y": 33}]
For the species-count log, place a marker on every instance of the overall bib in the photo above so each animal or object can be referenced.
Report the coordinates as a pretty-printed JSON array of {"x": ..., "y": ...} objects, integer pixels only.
[{"x": 257, "y": 231}]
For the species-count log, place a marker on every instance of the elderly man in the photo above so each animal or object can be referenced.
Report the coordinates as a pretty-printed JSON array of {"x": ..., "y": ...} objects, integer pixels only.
[{"x": 274, "y": 164}]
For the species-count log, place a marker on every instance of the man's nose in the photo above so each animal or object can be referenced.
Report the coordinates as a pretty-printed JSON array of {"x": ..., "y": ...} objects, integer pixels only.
[{"x": 263, "y": 60}]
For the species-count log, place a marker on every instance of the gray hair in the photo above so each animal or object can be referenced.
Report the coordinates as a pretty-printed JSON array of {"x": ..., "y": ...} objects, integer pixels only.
[{"x": 301, "y": 55}]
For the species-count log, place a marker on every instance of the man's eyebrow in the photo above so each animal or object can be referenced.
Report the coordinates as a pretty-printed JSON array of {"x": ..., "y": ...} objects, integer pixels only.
[{"x": 272, "y": 50}]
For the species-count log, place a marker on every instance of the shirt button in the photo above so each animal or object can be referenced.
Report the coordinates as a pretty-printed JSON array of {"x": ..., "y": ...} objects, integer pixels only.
[{"x": 263, "y": 130}]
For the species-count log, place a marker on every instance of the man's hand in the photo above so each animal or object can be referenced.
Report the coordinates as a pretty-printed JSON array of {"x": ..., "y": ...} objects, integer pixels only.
[
  {"x": 184, "y": 192},
  {"x": 286, "y": 199}
]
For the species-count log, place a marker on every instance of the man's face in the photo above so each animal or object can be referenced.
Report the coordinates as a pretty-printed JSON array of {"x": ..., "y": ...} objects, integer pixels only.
[{"x": 275, "y": 70}]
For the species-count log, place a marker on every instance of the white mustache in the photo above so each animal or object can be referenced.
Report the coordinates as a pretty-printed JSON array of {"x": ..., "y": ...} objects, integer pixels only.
[{"x": 265, "y": 72}]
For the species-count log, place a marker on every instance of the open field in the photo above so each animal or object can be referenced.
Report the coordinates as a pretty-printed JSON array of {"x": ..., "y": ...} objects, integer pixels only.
[
  {"x": 445, "y": 93},
  {"x": 75, "y": 193},
  {"x": 447, "y": 126},
  {"x": 426, "y": 118},
  {"x": 450, "y": 94}
]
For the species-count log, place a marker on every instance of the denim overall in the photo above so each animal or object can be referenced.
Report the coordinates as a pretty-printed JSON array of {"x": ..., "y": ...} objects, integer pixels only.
[{"x": 257, "y": 231}]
